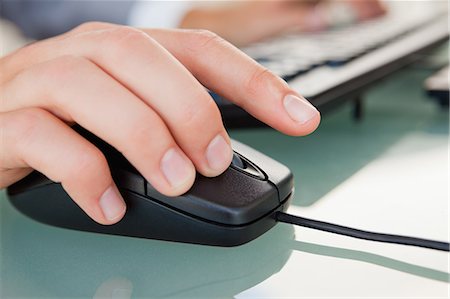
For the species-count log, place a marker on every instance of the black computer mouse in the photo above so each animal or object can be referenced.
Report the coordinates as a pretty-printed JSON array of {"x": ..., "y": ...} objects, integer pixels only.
[{"x": 228, "y": 210}]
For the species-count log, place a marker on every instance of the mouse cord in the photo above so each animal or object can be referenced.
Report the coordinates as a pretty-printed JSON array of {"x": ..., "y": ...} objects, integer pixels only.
[{"x": 360, "y": 234}]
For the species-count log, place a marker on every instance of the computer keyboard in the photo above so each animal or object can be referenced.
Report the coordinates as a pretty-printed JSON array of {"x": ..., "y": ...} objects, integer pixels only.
[{"x": 336, "y": 65}]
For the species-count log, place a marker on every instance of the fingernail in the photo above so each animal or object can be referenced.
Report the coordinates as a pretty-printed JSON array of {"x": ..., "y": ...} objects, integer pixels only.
[
  {"x": 300, "y": 110},
  {"x": 175, "y": 168},
  {"x": 112, "y": 204},
  {"x": 218, "y": 154}
]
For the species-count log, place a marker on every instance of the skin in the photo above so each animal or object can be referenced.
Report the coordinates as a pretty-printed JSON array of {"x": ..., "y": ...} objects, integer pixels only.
[
  {"x": 245, "y": 22},
  {"x": 142, "y": 91}
]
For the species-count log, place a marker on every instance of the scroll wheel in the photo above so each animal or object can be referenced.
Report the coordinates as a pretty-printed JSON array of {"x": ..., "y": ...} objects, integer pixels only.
[{"x": 237, "y": 161}]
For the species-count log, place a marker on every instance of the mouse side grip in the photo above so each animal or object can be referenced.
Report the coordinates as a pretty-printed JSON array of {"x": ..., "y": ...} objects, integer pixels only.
[{"x": 144, "y": 219}]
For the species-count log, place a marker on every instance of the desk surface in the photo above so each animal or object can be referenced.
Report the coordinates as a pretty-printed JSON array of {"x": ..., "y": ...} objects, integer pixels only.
[{"x": 388, "y": 173}]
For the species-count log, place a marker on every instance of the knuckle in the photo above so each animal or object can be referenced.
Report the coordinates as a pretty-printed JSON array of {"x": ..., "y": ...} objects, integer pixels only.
[
  {"x": 139, "y": 131},
  {"x": 123, "y": 40},
  {"x": 34, "y": 49},
  {"x": 196, "y": 116},
  {"x": 259, "y": 80},
  {"x": 143, "y": 133},
  {"x": 27, "y": 120},
  {"x": 23, "y": 124},
  {"x": 88, "y": 162},
  {"x": 204, "y": 35},
  {"x": 201, "y": 39},
  {"x": 60, "y": 72},
  {"x": 63, "y": 69},
  {"x": 125, "y": 32},
  {"x": 89, "y": 26}
]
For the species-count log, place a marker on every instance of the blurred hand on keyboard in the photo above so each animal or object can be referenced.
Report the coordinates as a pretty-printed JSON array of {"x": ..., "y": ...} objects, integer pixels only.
[
  {"x": 143, "y": 92},
  {"x": 246, "y": 22}
]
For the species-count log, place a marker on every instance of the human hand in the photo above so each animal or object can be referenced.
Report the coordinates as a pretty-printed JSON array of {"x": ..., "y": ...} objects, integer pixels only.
[
  {"x": 142, "y": 91},
  {"x": 250, "y": 21}
]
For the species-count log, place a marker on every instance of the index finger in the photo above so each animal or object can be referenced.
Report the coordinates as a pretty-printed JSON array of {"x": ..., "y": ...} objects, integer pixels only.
[{"x": 226, "y": 70}]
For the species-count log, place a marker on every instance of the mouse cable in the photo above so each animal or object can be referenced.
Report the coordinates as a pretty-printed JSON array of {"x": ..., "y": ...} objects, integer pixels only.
[{"x": 360, "y": 234}]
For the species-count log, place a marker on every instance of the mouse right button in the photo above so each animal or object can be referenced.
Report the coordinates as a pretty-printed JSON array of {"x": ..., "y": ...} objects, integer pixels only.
[{"x": 276, "y": 172}]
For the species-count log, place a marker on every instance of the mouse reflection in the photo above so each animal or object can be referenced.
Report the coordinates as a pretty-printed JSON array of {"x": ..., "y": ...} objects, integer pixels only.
[
  {"x": 117, "y": 288},
  {"x": 43, "y": 261}
]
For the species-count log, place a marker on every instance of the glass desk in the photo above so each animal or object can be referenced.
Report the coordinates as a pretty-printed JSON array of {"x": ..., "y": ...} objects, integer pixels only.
[{"x": 387, "y": 173}]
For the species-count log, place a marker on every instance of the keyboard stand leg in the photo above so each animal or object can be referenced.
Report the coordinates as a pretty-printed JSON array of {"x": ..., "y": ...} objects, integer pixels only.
[{"x": 358, "y": 108}]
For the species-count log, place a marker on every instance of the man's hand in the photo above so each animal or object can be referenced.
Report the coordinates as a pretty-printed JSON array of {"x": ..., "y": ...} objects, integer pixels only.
[
  {"x": 250, "y": 21},
  {"x": 142, "y": 91}
]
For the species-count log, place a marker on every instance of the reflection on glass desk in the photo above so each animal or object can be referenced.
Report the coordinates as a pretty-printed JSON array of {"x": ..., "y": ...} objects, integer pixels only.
[{"x": 387, "y": 173}]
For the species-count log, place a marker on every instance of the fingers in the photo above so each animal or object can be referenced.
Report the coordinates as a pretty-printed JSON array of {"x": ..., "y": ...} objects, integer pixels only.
[
  {"x": 237, "y": 77},
  {"x": 229, "y": 72},
  {"x": 368, "y": 9},
  {"x": 126, "y": 88},
  {"x": 170, "y": 119},
  {"x": 165, "y": 85},
  {"x": 35, "y": 138},
  {"x": 76, "y": 90}
]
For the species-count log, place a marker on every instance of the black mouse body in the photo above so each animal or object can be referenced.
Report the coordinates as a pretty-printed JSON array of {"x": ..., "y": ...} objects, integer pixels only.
[{"x": 229, "y": 210}]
